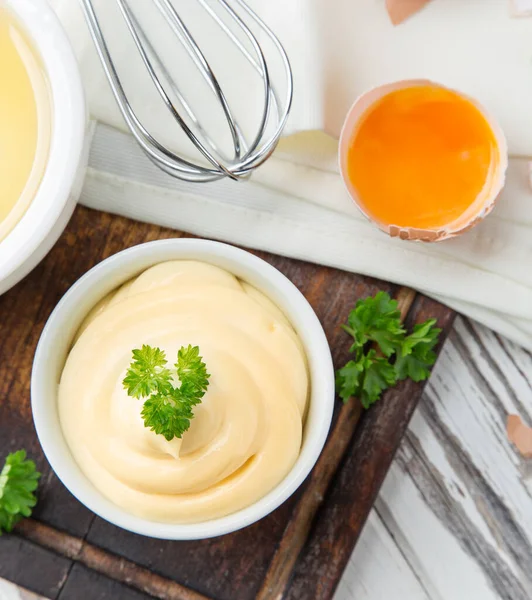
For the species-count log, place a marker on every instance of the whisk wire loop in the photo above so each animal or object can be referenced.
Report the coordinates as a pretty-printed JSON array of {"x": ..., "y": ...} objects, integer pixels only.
[{"x": 247, "y": 156}]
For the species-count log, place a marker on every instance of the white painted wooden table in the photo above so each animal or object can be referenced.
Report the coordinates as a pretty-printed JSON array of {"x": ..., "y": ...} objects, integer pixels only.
[{"x": 454, "y": 518}]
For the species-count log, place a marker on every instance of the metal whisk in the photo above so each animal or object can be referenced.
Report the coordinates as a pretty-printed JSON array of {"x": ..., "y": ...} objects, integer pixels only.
[{"x": 246, "y": 154}]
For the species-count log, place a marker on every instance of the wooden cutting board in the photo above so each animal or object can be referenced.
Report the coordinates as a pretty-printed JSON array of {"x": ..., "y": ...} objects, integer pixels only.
[{"x": 298, "y": 552}]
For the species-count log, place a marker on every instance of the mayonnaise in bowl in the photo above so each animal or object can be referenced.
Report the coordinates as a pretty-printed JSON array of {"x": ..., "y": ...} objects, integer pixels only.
[
  {"x": 246, "y": 433},
  {"x": 259, "y": 428}
]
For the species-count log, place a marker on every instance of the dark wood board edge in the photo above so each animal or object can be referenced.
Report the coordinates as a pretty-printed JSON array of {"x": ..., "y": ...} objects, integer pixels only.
[
  {"x": 85, "y": 584},
  {"x": 339, "y": 522},
  {"x": 102, "y": 563},
  {"x": 48, "y": 571}
]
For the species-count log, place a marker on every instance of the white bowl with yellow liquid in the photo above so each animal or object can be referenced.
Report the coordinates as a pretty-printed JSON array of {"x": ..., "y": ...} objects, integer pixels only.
[{"x": 42, "y": 131}]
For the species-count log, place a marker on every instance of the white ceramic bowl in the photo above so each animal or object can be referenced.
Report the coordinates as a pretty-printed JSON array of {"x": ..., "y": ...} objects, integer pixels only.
[
  {"x": 56, "y": 340},
  {"x": 50, "y": 210}
]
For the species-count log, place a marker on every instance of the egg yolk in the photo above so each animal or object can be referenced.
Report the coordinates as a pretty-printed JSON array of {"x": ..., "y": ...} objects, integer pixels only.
[{"x": 420, "y": 157}]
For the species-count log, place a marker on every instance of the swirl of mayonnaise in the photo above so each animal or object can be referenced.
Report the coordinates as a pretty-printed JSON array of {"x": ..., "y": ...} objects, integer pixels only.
[{"x": 246, "y": 434}]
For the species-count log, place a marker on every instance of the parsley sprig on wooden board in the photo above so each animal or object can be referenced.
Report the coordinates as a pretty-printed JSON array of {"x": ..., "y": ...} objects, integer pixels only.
[
  {"x": 376, "y": 323},
  {"x": 18, "y": 482},
  {"x": 167, "y": 409}
]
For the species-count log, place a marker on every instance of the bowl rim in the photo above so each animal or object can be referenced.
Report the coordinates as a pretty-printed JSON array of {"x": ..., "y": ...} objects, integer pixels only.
[
  {"x": 120, "y": 267},
  {"x": 68, "y": 117}
]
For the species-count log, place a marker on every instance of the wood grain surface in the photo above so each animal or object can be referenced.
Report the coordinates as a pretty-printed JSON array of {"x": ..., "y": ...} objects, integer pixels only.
[
  {"x": 453, "y": 519},
  {"x": 323, "y": 519}
]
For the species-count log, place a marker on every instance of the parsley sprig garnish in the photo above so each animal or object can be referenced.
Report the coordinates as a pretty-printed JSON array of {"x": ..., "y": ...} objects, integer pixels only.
[
  {"x": 376, "y": 322},
  {"x": 18, "y": 482},
  {"x": 167, "y": 409}
]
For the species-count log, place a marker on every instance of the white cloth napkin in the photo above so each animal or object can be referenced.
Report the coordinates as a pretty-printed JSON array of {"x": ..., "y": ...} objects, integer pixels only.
[{"x": 296, "y": 205}]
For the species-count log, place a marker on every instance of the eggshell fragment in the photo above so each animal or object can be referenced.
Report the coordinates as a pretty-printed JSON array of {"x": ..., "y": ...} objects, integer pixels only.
[
  {"x": 400, "y": 10},
  {"x": 520, "y": 435},
  {"x": 481, "y": 207}
]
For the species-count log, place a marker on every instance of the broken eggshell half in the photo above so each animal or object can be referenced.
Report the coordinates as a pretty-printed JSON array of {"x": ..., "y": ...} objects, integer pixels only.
[{"x": 476, "y": 211}]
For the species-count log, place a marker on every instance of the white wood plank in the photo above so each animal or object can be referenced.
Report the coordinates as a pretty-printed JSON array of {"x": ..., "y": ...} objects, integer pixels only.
[
  {"x": 432, "y": 550},
  {"x": 377, "y": 554},
  {"x": 458, "y": 498}
]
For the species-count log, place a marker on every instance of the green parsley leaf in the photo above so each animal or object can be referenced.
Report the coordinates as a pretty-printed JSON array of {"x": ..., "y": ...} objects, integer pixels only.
[
  {"x": 415, "y": 356},
  {"x": 147, "y": 373},
  {"x": 192, "y": 373},
  {"x": 167, "y": 410},
  {"x": 376, "y": 320},
  {"x": 18, "y": 480},
  {"x": 365, "y": 378},
  {"x": 379, "y": 375},
  {"x": 167, "y": 416},
  {"x": 349, "y": 380}
]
